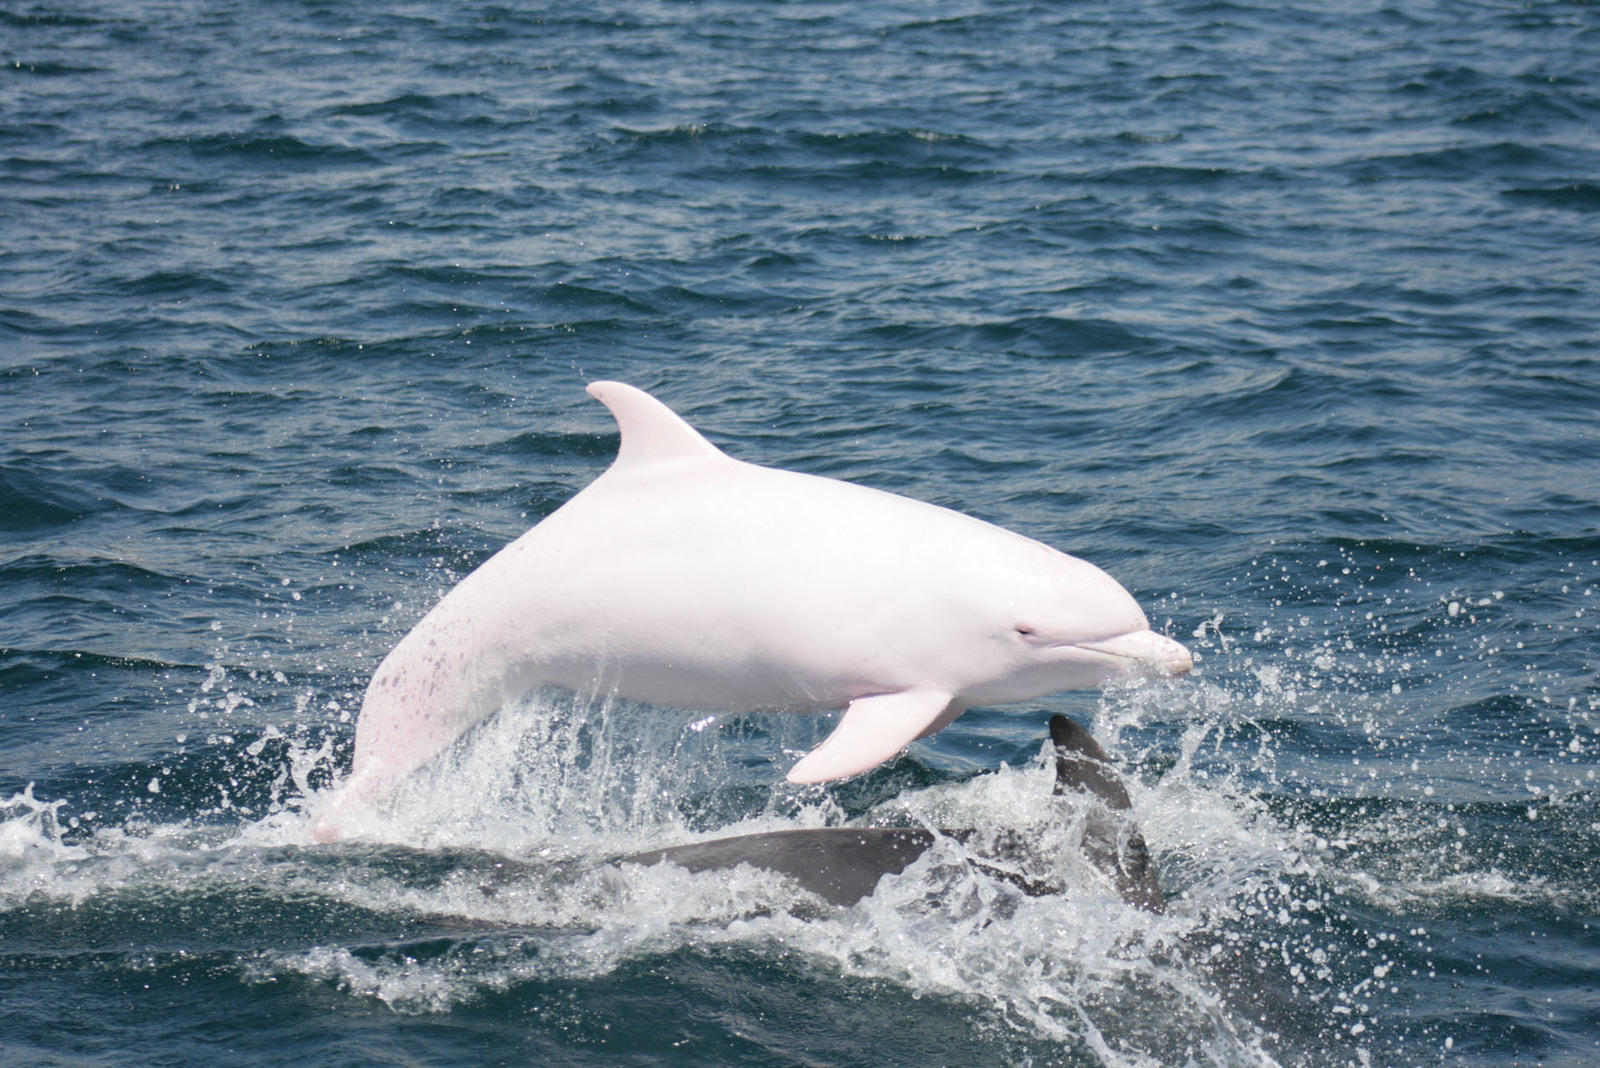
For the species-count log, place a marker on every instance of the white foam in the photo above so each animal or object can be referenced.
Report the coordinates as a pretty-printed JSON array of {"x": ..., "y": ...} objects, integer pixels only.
[{"x": 1082, "y": 968}]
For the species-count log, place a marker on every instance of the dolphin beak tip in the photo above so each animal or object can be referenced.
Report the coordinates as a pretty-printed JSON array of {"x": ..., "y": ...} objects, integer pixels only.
[
  {"x": 1173, "y": 659},
  {"x": 1148, "y": 652}
]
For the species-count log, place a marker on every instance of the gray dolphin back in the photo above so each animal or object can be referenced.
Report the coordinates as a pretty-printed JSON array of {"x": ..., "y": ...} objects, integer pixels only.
[{"x": 841, "y": 865}]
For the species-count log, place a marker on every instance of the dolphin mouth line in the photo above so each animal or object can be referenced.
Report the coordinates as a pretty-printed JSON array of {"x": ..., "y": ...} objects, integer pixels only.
[
  {"x": 1145, "y": 648},
  {"x": 1109, "y": 647}
]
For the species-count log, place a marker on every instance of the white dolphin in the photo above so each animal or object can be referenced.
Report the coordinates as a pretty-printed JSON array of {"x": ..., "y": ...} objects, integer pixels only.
[{"x": 684, "y": 577}]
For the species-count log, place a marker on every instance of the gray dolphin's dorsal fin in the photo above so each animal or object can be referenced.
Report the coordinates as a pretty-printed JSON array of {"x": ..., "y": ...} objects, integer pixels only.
[
  {"x": 1082, "y": 765},
  {"x": 651, "y": 432},
  {"x": 1113, "y": 844}
]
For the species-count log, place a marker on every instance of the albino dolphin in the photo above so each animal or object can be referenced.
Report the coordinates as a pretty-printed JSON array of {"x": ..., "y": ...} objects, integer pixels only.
[{"x": 684, "y": 577}]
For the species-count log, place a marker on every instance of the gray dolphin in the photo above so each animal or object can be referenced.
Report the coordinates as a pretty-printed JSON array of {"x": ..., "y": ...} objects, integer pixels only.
[{"x": 842, "y": 865}]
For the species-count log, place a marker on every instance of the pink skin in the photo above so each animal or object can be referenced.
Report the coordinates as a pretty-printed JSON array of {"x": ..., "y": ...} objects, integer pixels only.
[{"x": 684, "y": 577}]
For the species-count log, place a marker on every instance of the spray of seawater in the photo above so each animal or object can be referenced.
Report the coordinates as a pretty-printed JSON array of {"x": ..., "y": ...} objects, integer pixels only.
[
  {"x": 525, "y": 813},
  {"x": 501, "y": 853},
  {"x": 30, "y": 840}
]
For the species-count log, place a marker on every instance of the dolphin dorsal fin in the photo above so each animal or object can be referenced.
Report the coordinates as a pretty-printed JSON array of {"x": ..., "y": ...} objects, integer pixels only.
[
  {"x": 651, "y": 432},
  {"x": 1082, "y": 765}
]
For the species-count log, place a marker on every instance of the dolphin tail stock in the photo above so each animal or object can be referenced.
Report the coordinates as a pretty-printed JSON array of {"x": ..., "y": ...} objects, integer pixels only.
[
  {"x": 1111, "y": 840},
  {"x": 347, "y": 802}
]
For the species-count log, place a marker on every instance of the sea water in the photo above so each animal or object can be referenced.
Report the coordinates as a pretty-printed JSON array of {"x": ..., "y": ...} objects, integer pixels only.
[{"x": 1284, "y": 314}]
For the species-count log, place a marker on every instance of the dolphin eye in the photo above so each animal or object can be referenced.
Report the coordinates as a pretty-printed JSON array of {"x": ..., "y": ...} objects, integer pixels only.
[{"x": 1023, "y": 630}]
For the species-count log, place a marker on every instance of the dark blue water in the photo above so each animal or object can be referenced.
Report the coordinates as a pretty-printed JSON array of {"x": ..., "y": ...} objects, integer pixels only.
[{"x": 1285, "y": 315}]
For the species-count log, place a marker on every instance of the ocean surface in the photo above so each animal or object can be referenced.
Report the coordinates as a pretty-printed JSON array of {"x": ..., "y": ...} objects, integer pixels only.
[{"x": 1287, "y": 315}]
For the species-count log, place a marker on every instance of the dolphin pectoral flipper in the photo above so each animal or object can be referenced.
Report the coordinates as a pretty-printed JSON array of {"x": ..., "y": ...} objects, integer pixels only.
[{"x": 872, "y": 730}]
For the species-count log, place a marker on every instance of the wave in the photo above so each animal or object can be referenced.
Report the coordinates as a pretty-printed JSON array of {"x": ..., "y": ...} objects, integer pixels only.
[
  {"x": 278, "y": 152},
  {"x": 1053, "y": 337},
  {"x": 33, "y": 497},
  {"x": 1577, "y": 196}
]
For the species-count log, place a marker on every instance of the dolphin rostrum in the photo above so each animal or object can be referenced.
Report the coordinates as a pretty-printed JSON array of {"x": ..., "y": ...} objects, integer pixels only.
[{"x": 684, "y": 577}]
